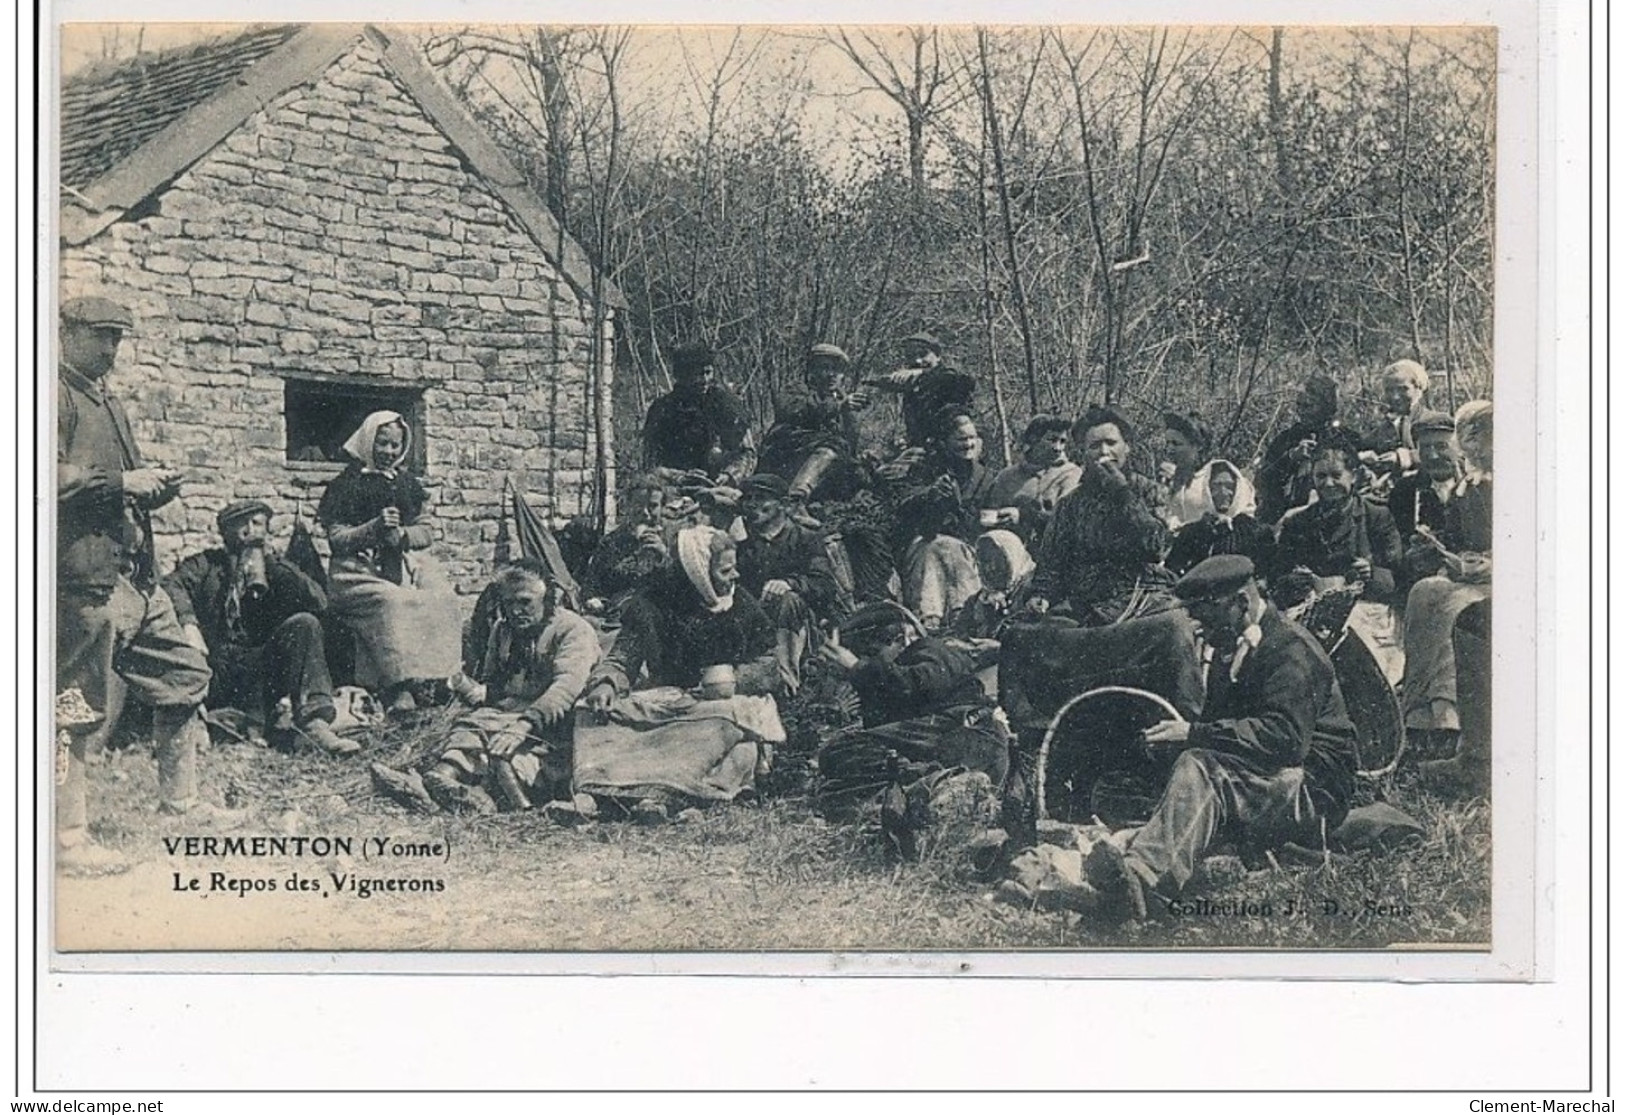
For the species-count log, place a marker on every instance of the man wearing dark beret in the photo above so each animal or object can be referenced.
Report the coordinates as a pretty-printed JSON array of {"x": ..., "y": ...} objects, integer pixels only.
[
  {"x": 117, "y": 636},
  {"x": 787, "y": 567},
  {"x": 926, "y": 385},
  {"x": 1271, "y": 759},
  {"x": 700, "y": 427},
  {"x": 256, "y": 615}
]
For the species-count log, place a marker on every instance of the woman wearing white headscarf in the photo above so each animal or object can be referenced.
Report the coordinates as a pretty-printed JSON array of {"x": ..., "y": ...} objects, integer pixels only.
[
  {"x": 381, "y": 585},
  {"x": 1006, "y": 569},
  {"x": 1224, "y": 505},
  {"x": 686, "y": 617}
]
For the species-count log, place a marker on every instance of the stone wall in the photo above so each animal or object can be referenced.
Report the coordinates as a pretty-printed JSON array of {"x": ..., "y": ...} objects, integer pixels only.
[{"x": 338, "y": 231}]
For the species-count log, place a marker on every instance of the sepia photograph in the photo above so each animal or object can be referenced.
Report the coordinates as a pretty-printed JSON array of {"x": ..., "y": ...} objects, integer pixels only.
[{"x": 833, "y": 489}]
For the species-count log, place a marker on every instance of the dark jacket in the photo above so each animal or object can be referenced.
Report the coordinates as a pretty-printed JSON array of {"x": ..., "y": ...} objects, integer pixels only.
[
  {"x": 1283, "y": 709},
  {"x": 200, "y": 585},
  {"x": 1327, "y": 543},
  {"x": 620, "y": 563},
  {"x": 1103, "y": 549},
  {"x": 1388, "y": 435},
  {"x": 1413, "y": 501},
  {"x": 1284, "y": 483},
  {"x": 936, "y": 505},
  {"x": 1472, "y": 517},
  {"x": 666, "y": 630},
  {"x": 1194, "y": 542},
  {"x": 351, "y": 504},
  {"x": 927, "y": 677},
  {"x": 803, "y": 423},
  {"x": 927, "y": 395},
  {"x": 705, "y": 431},
  {"x": 100, "y": 531},
  {"x": 799, "y": 557}
]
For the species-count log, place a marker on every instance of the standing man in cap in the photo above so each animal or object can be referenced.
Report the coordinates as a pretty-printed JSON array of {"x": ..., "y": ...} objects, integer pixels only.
[
  {"x": 103, "y": 486},
  {"x": 1392, "y": 448},
  {"x": 258, "y": 619},
  {"x": 700, "y": 427},
  {"x": 926, "y": 384},
  {"x": 116, "y": 630},
  {"x": 1270, "y": 761}
]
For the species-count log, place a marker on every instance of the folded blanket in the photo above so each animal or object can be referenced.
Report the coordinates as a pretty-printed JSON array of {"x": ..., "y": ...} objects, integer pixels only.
[{"x": 707, "y": 752}]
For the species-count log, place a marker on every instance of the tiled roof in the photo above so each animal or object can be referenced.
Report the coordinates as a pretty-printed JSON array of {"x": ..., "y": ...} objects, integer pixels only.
[
  {"x": 130, "y": 128},
  {"x": 110, "y": 110}
]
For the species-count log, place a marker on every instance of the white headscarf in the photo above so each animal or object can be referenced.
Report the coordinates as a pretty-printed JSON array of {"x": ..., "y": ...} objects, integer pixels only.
[
  {"x": 1478, "y": 412},
  {"x": 1018, "y": 563},
  {"x": 694, "y": 556},
  {"x": 1244, "y": 503},
  {"x": 361, "y": 442}
]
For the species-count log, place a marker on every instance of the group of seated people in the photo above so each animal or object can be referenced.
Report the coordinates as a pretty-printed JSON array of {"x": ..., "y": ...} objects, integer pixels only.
[
  {"x": 732, "y": 567},
  {"x": 1069, "y": 530}
]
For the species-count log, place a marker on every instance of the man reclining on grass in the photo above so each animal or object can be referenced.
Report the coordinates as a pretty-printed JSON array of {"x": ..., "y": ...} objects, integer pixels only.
[
  {"x": 1270, "y": 761},
  {"x": 898, "y": 673},
  {"x": 529, "y": 663}
]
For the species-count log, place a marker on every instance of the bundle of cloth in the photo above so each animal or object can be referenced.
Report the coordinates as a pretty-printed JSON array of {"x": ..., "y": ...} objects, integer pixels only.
[{"x": 666, "y": 744}]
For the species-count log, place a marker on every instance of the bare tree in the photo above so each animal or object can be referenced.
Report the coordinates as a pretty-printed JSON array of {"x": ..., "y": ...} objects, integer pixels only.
[{"x": 919, "y": 82}]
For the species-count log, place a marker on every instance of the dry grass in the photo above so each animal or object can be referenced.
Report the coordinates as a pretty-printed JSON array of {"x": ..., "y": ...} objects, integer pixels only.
[{"x": 774, "y": 875}]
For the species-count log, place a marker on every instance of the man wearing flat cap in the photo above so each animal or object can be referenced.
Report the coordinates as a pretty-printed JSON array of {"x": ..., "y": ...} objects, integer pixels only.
[
  {"x": 258, "y": 618},
  {"x": 700, "y": 427},
  {"x": 926, "y": 385},
  {"x": 1271, "y": 759},
  {"x": 103, "y": 486},
  {"x": 1422, "y": 502},
  {"x": 813, "y": 442},
  {"x": 117, "y": 635},
  {"x": 787, "y": 567}
]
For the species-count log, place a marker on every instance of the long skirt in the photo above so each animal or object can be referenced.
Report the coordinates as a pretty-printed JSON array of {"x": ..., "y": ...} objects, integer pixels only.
[
  {"x": 1429, "y": 687},
  {"x": 404, "y": 632}
]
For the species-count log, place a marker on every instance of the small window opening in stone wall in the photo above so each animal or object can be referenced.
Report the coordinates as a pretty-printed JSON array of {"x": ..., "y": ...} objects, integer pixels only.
[{"x": 320, "y": 414}]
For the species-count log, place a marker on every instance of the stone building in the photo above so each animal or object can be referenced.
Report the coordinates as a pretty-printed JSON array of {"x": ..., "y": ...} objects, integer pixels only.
[{"x": 307, "y": 226}]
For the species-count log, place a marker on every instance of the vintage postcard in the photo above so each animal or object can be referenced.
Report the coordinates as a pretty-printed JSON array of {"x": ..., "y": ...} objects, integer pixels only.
[{"x": 887, "y": 489}]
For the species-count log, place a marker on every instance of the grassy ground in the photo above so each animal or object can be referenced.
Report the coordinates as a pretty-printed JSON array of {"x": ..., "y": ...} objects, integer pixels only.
[{"x": 771, "y": 875}]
